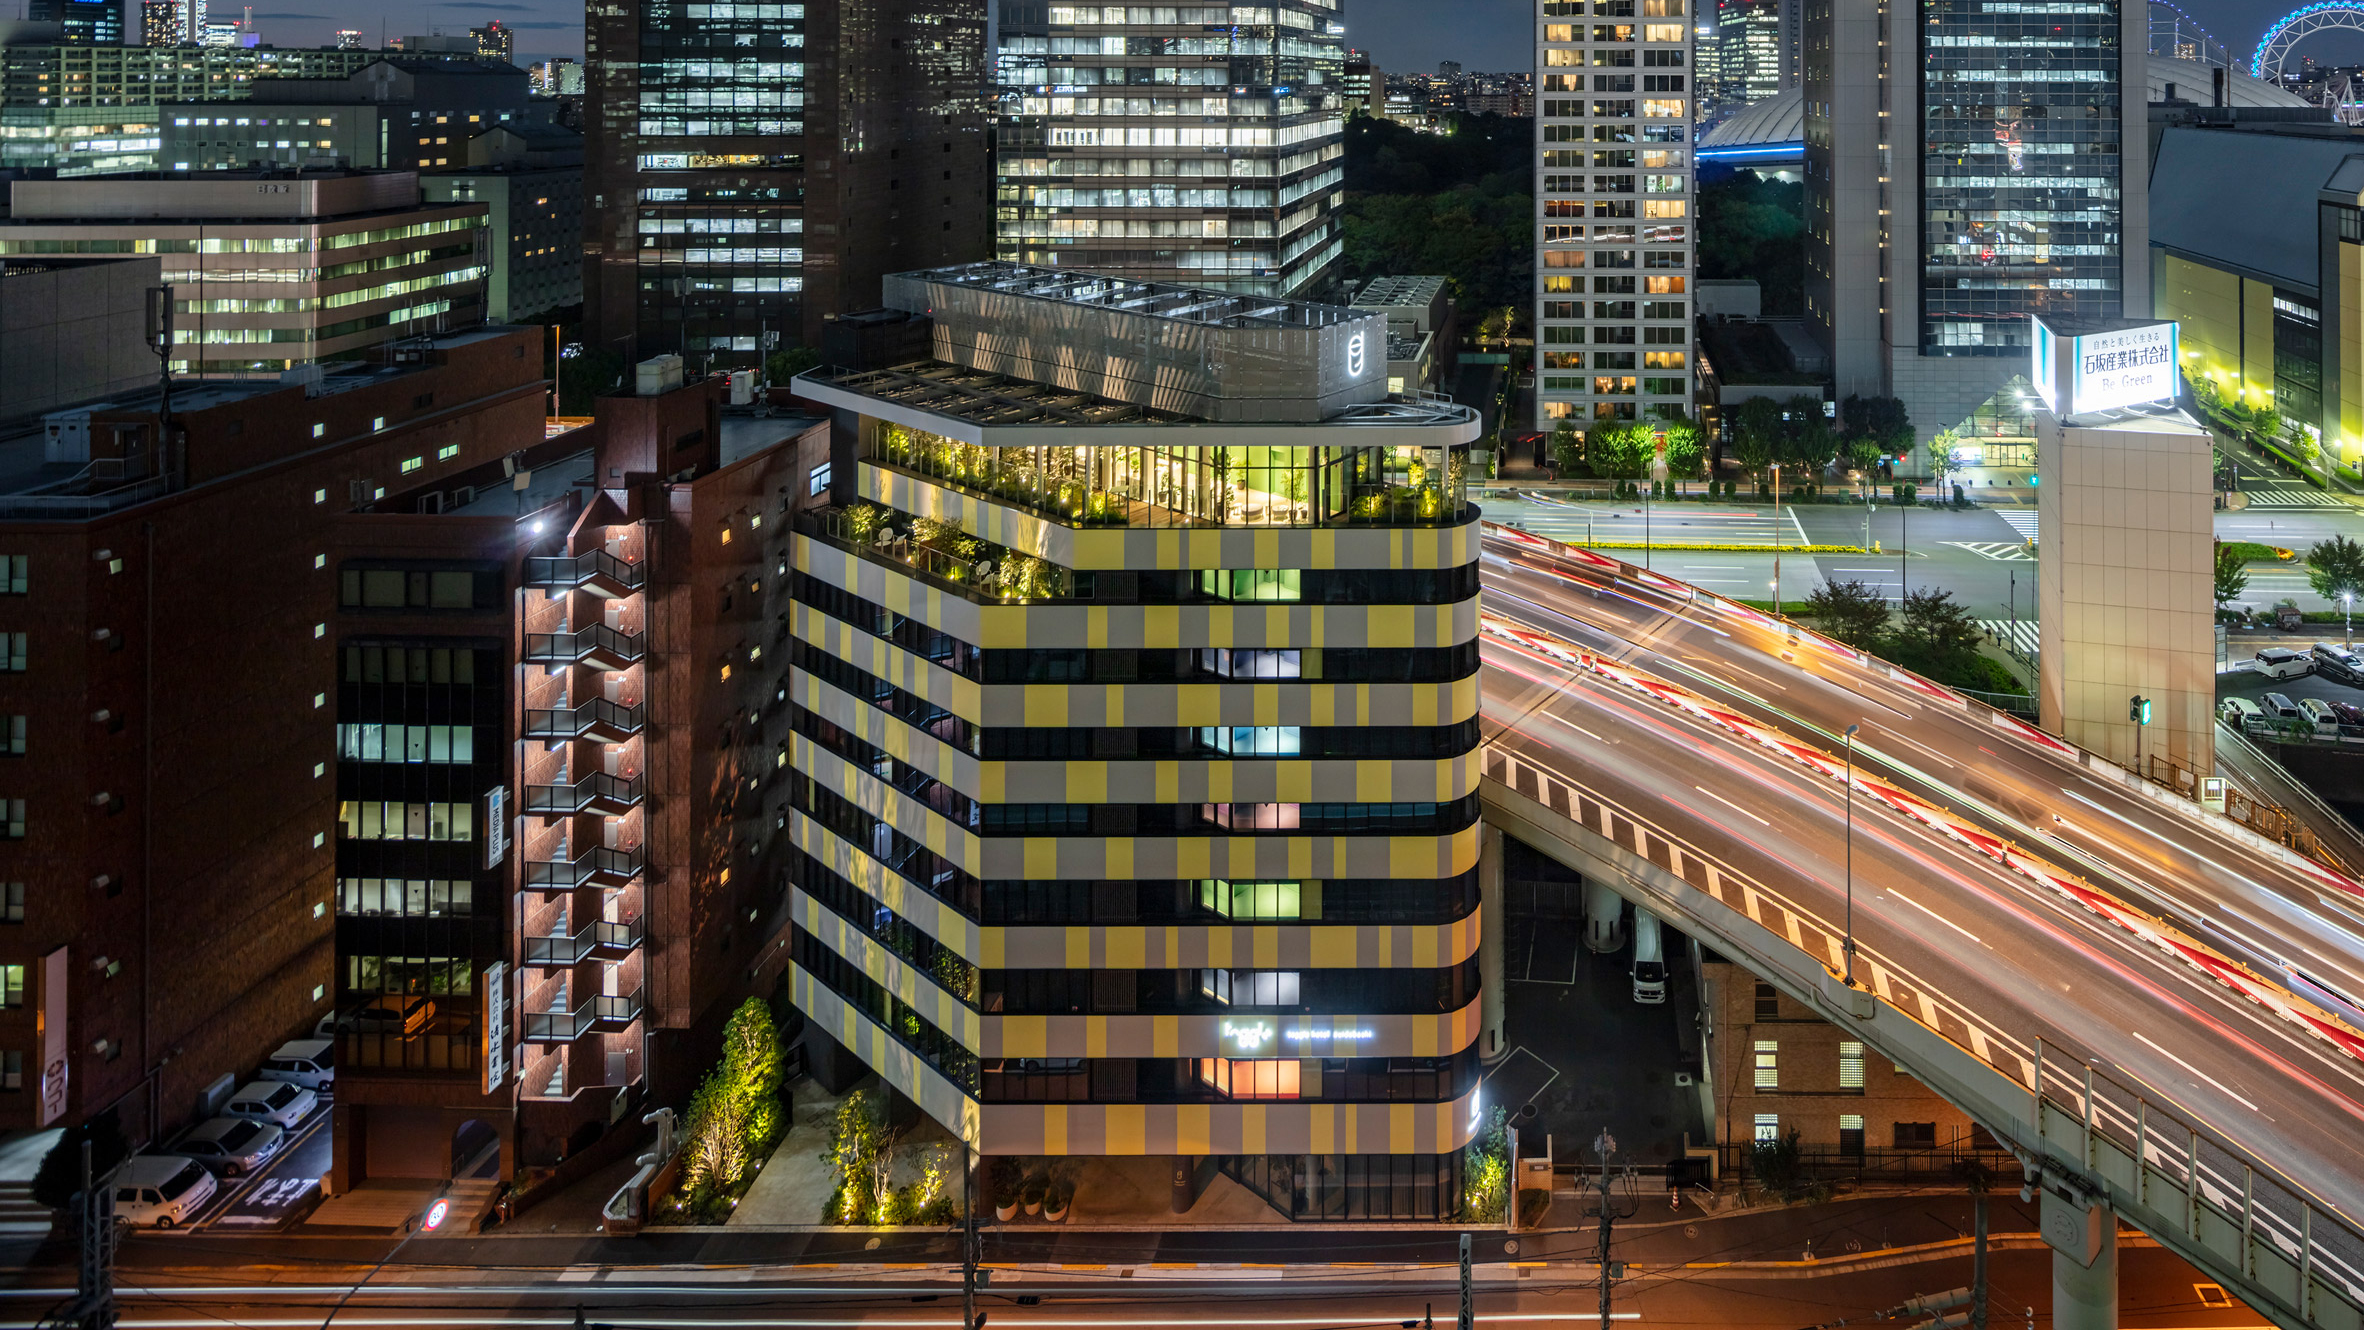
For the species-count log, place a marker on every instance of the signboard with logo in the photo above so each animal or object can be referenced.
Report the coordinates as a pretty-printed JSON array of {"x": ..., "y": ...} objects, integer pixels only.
[
  {"x": 1249, "y": 1037},
  {"x": 496, "y": 1025},
  {"x": 54, "y": 1055},
  {"x": 496, "y": 826},
  {"x": 2104, "y": 371}
]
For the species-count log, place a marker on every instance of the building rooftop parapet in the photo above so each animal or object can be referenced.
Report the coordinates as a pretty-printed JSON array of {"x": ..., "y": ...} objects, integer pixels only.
[{"x": 984, "y": 407}]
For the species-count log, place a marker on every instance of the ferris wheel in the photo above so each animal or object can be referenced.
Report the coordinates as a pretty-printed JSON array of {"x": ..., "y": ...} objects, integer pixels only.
[{"x": 2298, "y": 25}]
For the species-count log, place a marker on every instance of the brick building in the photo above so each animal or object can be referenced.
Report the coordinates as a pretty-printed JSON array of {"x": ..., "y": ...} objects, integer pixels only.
[
  {"x": 480, "y": 746},
  {"x": 1778, "y": 1068}
]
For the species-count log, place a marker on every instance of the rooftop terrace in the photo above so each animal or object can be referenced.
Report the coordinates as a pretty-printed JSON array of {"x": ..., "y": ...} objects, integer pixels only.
[{"x": 1212, "y": 309}]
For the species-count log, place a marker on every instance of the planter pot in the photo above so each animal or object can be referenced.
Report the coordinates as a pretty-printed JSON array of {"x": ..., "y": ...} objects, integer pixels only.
[
  {"x": 1054, "y": 1208},
  {"x": 1033, "y": 1202},
  {"x": 1006, "y": 1211}
]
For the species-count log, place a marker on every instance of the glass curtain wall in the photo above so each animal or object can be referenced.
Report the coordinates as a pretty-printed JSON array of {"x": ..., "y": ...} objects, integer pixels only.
[{"x": 1157, "y": 485}]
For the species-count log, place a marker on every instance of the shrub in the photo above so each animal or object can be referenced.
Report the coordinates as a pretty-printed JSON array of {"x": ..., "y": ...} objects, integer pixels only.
[
  {"x": 60, "y": 1173},
  {"x": 1485, "y": 1175}
]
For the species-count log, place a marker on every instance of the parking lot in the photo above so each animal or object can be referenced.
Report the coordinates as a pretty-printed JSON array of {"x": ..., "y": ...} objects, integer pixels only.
[{"x": 2254, "y": 686}]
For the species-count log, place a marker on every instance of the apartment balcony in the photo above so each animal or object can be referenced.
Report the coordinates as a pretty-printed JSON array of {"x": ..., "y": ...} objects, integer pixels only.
[
  {"x": 598, "y": 940},
  {"x": 599, "y": 647},
  {"x": 598, "y": 1014},
  {"x": 598, "y": 867},
  {"x": 607, "y": 722},
  {"x": 595, "y": 793},
  {"x": 597, "y": 571}
]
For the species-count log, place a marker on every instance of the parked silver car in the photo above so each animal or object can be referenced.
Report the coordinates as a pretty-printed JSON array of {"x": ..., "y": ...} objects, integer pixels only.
[{"x": 233, "y": 1146}]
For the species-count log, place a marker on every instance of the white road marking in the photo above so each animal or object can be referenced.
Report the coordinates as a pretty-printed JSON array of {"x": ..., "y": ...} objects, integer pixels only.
[
  {"x": 1938, "y": 917},
  {"x": 2193, "y": 1070},
  {"x": 1731, "y": 805}
]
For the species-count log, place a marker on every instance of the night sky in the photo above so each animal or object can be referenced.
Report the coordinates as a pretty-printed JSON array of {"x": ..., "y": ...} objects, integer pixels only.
[{"x": 1403, "y": 35}]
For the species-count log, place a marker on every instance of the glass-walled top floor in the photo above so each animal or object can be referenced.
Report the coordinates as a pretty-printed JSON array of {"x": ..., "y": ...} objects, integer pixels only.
[{"x": 1193, "y": 485}]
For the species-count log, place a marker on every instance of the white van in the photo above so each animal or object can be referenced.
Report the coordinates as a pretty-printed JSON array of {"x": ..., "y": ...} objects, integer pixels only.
[
  {"x": 275, "y": 1102},
  {"x": 2235, "y": 710},
  {"x": 2283, "y": 663},
  {"x": 310, "y": 1063},
  {"x": 1604, "y": 918},
  {"x": 164, "y": 1190},
  {"x": 2319, "y": 712},
  {"x": 1649, "y": 960}
]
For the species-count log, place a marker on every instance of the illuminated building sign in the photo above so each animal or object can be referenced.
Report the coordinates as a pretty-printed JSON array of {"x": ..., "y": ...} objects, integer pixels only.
[
  {"x": 1248, "y": 1039},
  {"x": 2103, "y": 371},
  {"x": 1333, "y": 1036},
  {"x": 1356, "y": 358}
]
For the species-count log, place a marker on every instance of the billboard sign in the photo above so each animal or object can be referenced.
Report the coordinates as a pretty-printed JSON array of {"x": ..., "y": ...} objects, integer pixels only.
[
  {"x": 2123, "y": 368},
  {"x": 496, "y": 1025},
  {"x": 54, "y": 1060},
  {"x": 2104, "y": 371},
  {"x": 2044, "y": 370}
]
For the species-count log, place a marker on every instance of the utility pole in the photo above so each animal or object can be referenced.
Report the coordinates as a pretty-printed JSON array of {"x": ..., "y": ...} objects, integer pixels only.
[
  {"x": 1978, "y": 1289},
  {"x": 969, "y": 1320},
  {"x": 1605, "y": 1145},
  {"x": 94, "y": 1294},
  {"x": 1468, "y": 1319}
]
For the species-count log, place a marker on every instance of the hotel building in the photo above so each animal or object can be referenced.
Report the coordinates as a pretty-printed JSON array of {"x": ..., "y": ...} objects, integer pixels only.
[
  {"x": 1613, "y": 188},
  {"x": 1197, "y": 144},
  {"x": 1133, "y": 789}
]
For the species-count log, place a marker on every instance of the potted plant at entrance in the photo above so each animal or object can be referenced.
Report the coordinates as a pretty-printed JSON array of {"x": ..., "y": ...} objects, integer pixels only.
[
  {"x": 1056, "y": 1200},
  {"x": 1006, "y": 1181},
  {"x": 1031, "y": 1197}
]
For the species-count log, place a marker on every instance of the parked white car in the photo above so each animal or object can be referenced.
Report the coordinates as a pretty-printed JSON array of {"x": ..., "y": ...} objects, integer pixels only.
[
  {"x": 233, "y": 1146},
  {"x": 162, "y": 1190},
  {"x": 275, "y": 1102},
  {"x": 310, "y": 1063}
]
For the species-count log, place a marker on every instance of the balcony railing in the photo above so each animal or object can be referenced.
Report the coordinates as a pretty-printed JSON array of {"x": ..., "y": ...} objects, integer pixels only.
[
  {"x": 598, "y": 938},
  {"x": 613, "y": 722},
  {"x": 595, "y": 867},
  {"x": 599, "y": 646},
  {"x": 596, "y": 570},
  {"x": 596, "y": 792},
  {"x": 598, "y": 1013}
]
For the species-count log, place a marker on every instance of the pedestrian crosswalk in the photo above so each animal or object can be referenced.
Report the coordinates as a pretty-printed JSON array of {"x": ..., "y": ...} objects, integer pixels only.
[
  {"x": 2017, "y": 635},
  {"x": 2002, "y": 551},
  {"x": 2288, "y": 498},
  {"x": 2021, "y": 520},
  {"x": 20, "y": 1215}
]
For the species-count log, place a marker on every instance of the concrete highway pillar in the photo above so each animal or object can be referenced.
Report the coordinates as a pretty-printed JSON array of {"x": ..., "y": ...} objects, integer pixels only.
[
  {"x": 2084, "y": 1241},
  {"x": 1490, "y": 980}
]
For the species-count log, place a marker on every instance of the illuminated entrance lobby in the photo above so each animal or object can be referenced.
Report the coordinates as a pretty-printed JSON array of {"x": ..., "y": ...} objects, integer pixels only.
[{"x": 1134, "y": 775}]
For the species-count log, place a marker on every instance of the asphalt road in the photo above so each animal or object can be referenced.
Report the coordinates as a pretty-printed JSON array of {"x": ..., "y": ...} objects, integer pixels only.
[
  {"x": 2157, "y": 1291},
  {"x": 1977, "y": 553},
  {"x": 2014, "y": 956}
]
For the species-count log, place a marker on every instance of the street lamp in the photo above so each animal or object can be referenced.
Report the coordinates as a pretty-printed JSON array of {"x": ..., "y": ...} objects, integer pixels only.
[{"x": 1847, "y": 948}]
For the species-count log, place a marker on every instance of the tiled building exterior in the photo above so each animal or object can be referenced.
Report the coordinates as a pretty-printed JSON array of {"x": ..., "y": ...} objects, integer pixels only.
[{"x": 1135, "y": 757}]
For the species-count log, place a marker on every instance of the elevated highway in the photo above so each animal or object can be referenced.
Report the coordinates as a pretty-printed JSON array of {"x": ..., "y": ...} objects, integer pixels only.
[{"x": 2153, "y": 1006}]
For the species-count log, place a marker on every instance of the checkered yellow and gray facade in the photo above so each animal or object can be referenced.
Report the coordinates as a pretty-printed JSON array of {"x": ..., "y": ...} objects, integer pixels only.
[{"x": 1131, "y": 867}]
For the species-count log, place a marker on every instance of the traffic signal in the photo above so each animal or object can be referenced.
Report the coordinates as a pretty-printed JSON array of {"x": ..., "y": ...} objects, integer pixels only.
[{"x": 2138, "y": 710}]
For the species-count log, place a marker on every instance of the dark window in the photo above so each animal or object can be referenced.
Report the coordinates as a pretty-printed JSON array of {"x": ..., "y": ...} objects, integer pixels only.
[{"x": 1916, "y": 1135}]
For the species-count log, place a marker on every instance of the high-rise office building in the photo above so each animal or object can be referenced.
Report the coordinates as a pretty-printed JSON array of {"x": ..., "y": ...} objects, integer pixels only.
[
  {"x": 1968, "y": 165},
  {"x": 754, "y": 169},
  {"x": 161, "y": 23},
  {"x": 1613, "y": 184},
  {"x": 1366, "y": 85},
  {"x": 494, "y": 42},
  {"x": 1124, "y": 846},
  {"x": 1197, "y": 145},
  {"x": 1448, "y": 69},
  {"x": 84, "y": 22},
  {"x": 1759, "y": 47}
]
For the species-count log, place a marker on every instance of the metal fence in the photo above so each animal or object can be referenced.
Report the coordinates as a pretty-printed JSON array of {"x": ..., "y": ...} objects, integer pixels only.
[{"x": 2221, "y": 1200}]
